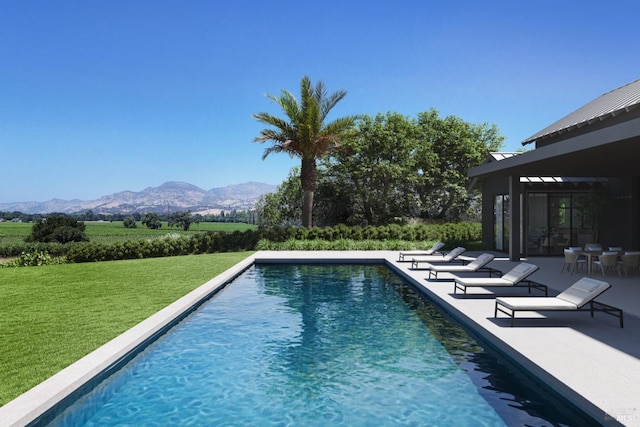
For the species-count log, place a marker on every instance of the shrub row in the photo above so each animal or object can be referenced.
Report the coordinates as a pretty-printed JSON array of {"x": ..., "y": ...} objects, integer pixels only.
[
  {"x": 341, "y": 237},
  {"x": 451, "y": 232},
  {"x": 15, "y": 249},
  {"x": 170, "y": 245},
  {"x": 32, "y": 259},
  {"x": 355, "y": 245}
]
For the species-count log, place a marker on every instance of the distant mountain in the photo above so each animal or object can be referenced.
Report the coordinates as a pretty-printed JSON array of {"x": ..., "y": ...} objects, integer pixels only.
[{"x": 169, "y": 197}]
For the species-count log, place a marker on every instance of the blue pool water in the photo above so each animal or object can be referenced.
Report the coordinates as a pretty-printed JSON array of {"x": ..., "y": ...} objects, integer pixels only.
[{"x": 316, "y": 346}]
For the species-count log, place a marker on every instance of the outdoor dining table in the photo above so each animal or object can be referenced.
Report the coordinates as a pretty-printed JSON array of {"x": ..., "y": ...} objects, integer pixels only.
[{"x": 590, "y": 255}]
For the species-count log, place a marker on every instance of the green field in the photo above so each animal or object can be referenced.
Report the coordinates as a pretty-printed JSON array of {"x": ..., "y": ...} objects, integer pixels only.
[
  {"x": 110, "y": 232},
  {"x": 53, "y": 315}
]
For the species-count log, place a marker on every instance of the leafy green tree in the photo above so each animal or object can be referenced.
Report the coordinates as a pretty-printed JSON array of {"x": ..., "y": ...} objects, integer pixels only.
[
  {"x": 378, "y": 169},
  {"x": 151, "y": 220},
  {"x": 58, "y": 228},
  {"x": 181, "y": 219},
  {"x": 283, "y": 207},
  {"x": 448, "y": 148},
  {"x": 129, "y": 222},
  {"x": 304, "y": 133}
]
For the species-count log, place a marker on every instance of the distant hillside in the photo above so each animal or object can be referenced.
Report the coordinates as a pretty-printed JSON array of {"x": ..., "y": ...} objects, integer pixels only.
[{"x": 169, "y": 197}]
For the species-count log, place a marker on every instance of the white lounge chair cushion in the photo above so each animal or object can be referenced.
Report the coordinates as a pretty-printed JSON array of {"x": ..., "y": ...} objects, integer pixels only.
[
  {"x": 450, "y": 256},
  {"x": 511, "y": 278},
  {"x": 474, "y": 265},
  {"x": 435, "y": 248},
  {"x": 481, "y": 261},
  {"x": 519, "y": 272},
  {"x": 583, "y": 291},
  {"x": 577, "y": 295},
  {"x": 483, "y": 281},
  {"x": 535, "y": 303}
]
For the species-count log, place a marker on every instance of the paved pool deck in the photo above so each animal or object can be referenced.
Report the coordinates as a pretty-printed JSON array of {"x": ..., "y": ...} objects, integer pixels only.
[{"x": 592, "y": 361}]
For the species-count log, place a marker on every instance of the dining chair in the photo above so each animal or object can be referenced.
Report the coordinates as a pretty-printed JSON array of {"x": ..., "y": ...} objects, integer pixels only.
[
  {"x": 572, "y": 261},
  {"x": 630, "y": 262},
  {"x": 607, "y": 261}
]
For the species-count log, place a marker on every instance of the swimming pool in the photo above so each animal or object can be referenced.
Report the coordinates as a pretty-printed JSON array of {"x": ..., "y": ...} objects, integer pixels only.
[{"x": 318, "y": 345}]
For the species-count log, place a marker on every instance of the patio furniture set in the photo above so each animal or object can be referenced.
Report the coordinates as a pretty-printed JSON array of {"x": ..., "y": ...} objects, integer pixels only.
[{"x": 615, "y": 260}]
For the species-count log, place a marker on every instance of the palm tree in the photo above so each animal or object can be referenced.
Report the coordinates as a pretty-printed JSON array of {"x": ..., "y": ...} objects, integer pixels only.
[{"x": 304, "y": 134}]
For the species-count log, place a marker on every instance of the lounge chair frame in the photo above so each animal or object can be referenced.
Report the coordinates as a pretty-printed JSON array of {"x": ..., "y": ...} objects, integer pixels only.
[
  {"x": 530, "y": 284},
  {"x": 593, "y": 307},
  {"x": 434, "y": 250},
  {"x": 581, "y": 296},
  {"x": 445, "y": 258},
  {"x": 516, "y": 277},
  {"x": 433, "y": 274},
  {"x": 447, "y": 268}
]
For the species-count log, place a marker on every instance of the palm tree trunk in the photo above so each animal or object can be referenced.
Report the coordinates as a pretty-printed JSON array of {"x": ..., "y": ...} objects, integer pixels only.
[
  {"x": 308, "y": 179},
  {"x": 307, "y": 209}
]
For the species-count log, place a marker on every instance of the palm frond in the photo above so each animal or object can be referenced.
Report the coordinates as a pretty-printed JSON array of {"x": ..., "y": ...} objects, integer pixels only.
[{"x": 303, "y": 130}]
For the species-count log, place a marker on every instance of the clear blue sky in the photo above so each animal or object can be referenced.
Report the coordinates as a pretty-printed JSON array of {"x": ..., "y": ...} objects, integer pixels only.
[{"x": 103, "y": 96}]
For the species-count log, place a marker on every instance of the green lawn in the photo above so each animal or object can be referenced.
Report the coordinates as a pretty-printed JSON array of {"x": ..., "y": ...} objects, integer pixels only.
[{"x": 51, "y": 316}]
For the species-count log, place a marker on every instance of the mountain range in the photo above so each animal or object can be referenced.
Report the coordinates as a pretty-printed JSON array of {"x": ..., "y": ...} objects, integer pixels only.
[{"x": 168, "y": 197}]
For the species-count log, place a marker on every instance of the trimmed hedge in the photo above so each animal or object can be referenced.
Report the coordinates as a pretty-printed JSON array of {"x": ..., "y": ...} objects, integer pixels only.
[
  {"x": 459, "y": 232},
  {"x": 356, "y": 245},
  {"x": 16, "y": 249},
  {"x": 170, "y": 245}
]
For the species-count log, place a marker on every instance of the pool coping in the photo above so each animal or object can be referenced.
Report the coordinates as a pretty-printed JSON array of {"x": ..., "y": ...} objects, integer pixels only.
[{"x": 33, "y": 404}]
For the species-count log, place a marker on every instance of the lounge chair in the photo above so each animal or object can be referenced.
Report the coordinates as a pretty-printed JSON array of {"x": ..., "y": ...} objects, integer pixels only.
[
  {"x": 513, "y": 277},
  {"x": 477, "y": 265},
  {"x": 575, "y": 298},
  {"x": 433, "y": 250},
  {"x": 448, "y": 257}
]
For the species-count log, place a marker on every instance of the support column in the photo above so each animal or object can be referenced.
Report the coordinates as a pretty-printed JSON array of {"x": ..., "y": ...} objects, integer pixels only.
[{"x": 514, "y": 218}]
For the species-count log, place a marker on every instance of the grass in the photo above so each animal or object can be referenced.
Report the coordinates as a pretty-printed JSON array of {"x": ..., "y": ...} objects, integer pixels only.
[
  {"x": 54, "y": 315},
  {"x": 111, "y": 232}
]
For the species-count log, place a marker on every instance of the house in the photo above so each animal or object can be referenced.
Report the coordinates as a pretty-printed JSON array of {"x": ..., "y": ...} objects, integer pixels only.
[{"x": 585, "y": 166}]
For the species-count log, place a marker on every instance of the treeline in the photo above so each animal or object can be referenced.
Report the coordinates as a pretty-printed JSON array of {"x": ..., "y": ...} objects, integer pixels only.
[{"x": 234, "y": 216}]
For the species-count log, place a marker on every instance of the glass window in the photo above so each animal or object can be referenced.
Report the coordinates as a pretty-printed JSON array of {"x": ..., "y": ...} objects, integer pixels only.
[
  {"x": 537, "y": 215},
  {"x": 501, "y": 221}
]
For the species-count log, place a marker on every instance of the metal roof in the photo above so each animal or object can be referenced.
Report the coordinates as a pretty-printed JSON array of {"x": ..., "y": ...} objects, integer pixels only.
[{"x": 622, "y": 99}]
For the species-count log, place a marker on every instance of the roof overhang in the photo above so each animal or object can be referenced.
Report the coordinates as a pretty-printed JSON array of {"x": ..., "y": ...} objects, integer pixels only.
[{"x": 611, "y": 151}]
